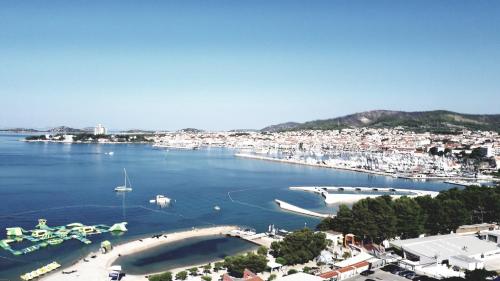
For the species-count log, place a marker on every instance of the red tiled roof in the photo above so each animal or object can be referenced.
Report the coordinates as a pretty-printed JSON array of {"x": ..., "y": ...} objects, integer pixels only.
[
  {"x": 345, "y": 269},
  {"x": 256, "y": 278},
  {"x": 247, "y": 276},
  {"x": 247, "y": 273},
  {"x": 329, "y": 274},
  {"x": 361, "y": 264}
]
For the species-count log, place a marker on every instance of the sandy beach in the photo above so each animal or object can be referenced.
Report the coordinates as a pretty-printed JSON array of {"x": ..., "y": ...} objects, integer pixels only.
[{"x": 96, "y": 269}]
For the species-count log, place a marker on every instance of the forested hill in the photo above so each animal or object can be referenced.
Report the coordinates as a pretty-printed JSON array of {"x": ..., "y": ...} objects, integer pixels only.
[{"x": 434, "y": 121}]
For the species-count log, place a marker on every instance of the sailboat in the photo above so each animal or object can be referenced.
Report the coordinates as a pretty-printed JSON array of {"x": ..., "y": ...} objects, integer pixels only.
[{"x": 124, "y": 187}]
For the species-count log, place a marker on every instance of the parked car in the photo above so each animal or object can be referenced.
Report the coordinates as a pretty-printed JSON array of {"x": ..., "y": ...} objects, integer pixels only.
[
  {"x": 397, "y": 270},
  {"x": 367, "y": 272},
  {"x": 411, "y": 276},
  {"x": 390, "y": 267},
  {"x": 405, "y": 273},
  {"x": 424, "y": 278}
]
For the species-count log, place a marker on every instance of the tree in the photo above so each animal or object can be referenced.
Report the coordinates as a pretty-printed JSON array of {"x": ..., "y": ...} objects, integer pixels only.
[
  {"x": 207, "y": 268},
  {"x": 262, "y": 250},
  {"x": 381, "y": 218},
  {"x": 432, "y": 213},
  {"x": 193, "y": 271},
  {"x": 455, "y": 215},
  {"x": 291, "y": 271},
  {"x": 299, "y": 246},
  {"x": 342, "y": 222},
  {"x": 167, "y": 276},
  {"x": 271, "y": 277},
  {"x": 218, "y": 266},
  {"x": 181, "y": 275},
  {"x": 206, "y": 278},
  {"x": 479, "y": 275},
  {"x": 409, "y": 218},
  {"x": 236, "y": 264},
  {"x": 281, "y": 260},
  {"x": 374, "y": 219}
]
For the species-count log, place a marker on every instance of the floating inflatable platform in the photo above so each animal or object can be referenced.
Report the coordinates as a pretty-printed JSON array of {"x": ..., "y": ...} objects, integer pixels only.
[{"x": 43, "y": 235}]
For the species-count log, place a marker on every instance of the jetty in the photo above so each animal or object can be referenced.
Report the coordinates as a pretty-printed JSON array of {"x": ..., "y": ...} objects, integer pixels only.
[
  {"x": 260, "y": 239},
  {"x": 292, "y": 208},
  {"x": 349, "y": 194}
]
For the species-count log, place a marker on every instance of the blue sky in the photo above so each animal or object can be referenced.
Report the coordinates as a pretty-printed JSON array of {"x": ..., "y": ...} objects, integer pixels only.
[{"x": 242, "y": 64}]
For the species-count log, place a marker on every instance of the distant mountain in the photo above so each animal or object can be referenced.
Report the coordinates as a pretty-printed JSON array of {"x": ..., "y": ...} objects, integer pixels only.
[
  {"x": 191, "y": 130},
  {"x": 138, "y": 131},
  {"x": 434, "y": 121},
  {"x": 288, "y": 126},
  {"x": 20, "y": 130},
  {"x": 242, "y": 130},
  {"x": 66, "y": 130}
]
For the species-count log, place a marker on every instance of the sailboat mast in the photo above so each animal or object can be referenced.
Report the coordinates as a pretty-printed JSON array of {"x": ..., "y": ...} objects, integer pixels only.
[{"x": 125, "y": 172}]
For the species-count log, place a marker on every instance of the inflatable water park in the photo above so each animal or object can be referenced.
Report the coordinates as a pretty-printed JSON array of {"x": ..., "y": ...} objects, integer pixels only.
[
  {"x": 44, "y": 235},
  {"x": 40, "y": 271}
]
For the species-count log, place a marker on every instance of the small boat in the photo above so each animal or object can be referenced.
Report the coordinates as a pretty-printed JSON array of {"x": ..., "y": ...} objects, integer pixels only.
[
  {"x": 160, "y": 200},
  {"x": 124, "y": 187},
  {"x": 217, "y": 208}
]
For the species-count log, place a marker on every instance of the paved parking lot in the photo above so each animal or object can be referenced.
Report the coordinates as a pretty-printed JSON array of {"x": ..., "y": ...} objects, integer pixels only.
[{"x": 379, "y": 275}]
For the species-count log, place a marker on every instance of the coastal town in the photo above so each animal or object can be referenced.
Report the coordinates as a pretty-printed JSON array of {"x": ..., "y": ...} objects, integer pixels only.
[
  {"x": 393, "y": 152},
  {"x": 468, "y": 157},
  {"x": 250, "y": 140}
]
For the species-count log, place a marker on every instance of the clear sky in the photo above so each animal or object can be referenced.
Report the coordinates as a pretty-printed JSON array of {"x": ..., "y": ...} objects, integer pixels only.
[{"x": 242, "y": 64}]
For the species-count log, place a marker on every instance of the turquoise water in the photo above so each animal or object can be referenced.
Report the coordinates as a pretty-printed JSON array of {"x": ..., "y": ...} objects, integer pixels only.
[
  {"x": 192, "y": 251},
  {"x": 67, "y": 183}
]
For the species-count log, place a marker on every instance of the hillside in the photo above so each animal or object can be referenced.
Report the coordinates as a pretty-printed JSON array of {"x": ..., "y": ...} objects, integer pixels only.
[
  {"x": 20, "y": 130},
  {"x": 434, "y": 121},
  {"x": 66, "y": 130}
]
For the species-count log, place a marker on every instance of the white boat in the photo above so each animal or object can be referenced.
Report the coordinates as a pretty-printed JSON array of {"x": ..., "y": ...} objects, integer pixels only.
[
  {"x": 161, "y": 200},
  {"x": 124, "y": 187},
  {"x": 217, "y": 208}
]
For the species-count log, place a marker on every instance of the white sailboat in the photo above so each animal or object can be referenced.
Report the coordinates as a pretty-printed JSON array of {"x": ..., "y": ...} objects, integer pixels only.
[{"x": 124, "y": 187}]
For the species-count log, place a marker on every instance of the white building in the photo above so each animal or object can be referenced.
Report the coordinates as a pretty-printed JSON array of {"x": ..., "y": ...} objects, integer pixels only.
[
  {"x": 68, "y": 138},
  {"x": 466, "y": 251},
  {"x": 337, "y": 238},
  {"x": 100, "y": 130},
  {"x": 494, "y": 236}
]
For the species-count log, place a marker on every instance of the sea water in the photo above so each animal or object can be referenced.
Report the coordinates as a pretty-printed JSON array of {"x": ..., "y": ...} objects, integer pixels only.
[{"x": 67, "y": 183}]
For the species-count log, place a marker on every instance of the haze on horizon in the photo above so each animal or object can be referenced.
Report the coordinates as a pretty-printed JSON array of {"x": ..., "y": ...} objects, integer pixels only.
[{"x": 242, "y": 64}]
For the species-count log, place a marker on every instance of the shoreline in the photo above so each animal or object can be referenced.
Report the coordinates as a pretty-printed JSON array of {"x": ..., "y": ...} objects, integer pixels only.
[
  {"x": 98, "y": 268},
  {"x": 83, "y": 142},
  {"x": 379, "y": 173}
]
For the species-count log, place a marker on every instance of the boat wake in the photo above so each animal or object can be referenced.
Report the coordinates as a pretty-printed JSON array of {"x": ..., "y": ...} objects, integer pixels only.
[{"x": 249, "y": 204}]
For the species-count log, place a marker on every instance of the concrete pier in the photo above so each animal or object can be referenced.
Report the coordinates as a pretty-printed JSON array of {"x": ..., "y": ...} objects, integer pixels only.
[
  {"x": 289, "y": 207},
  {"x": 348, "y": 194}
]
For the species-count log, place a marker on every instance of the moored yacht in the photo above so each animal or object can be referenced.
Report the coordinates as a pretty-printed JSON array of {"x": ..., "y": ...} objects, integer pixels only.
[{"x": 124, "y": 187}]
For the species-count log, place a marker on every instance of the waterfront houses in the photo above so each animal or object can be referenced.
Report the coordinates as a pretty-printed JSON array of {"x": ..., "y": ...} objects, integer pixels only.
[{"x": 469, "y": 155}]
